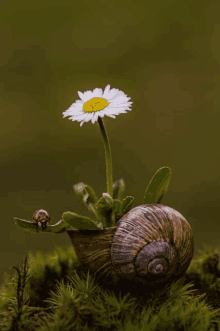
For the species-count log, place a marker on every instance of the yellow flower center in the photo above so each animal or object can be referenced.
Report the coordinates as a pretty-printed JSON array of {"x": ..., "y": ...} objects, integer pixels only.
[{"x": 95, "y": 104}]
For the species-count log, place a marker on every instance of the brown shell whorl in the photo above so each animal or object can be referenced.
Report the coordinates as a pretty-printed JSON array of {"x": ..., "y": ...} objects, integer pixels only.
[{"x": 152, "y": 243}]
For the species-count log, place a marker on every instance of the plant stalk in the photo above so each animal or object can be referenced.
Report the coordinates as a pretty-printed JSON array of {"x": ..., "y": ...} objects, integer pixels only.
[{"x": 108, "y": 157}]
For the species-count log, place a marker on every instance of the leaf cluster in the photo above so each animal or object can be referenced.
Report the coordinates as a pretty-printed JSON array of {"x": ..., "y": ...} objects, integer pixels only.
[{"x": 106, "y": 210}]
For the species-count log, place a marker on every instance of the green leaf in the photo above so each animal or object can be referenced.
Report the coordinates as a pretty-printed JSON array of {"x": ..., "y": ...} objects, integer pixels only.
[
  {"x": 118, "y": 189},
  {"x": 117, "y": 209},
  {"x": 158, "y": 186},
  {"x": 104, "y": 209},
  {"x": 59, "y": 227},
  {"x": 102, "y": 206},
  {"x": 85, "y": 193},
  {"x": 81, "y": 222},
  {"x": 88, "y": 197},
  {"x": 126, "y": 205},
  {"x": 108, "y": 198}
]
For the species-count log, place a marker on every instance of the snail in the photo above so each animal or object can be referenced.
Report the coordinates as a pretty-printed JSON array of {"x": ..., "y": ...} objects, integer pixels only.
[
  {"x": 149, "y": 245},
  {"x": 42, "y": 218}
]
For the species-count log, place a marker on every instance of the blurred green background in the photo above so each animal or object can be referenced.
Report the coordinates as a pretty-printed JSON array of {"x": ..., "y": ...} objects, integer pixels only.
[{"x": 163, "y": 54}]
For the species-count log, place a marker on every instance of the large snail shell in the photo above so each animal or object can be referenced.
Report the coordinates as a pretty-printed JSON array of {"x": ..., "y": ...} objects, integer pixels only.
[{"x": 152, "y": 243}]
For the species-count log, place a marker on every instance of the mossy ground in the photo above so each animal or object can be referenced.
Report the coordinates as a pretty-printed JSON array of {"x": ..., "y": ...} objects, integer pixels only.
[{"x": 54, "y": 292}]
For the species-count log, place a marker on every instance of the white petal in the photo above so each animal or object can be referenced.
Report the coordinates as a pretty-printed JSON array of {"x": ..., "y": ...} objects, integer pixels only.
[
  {"x": 97, "y": 92},
  {"x": 72, "y": 118},
  {"x": 89, "y": 117},
  {"x": 94, "y": 119},
  {"x": 88, "y": 95},
  {"x": 102, "y": 113},
  {"x": 120, "y": 102},
  {"x": 78, "y": 105},
  {"x": 118, "y": 98},
  {"x": 118, "y": 95},
  {"x": 111, "y": 93},
  {"x": 110, "y": 115},
  {"x": 106, "y": 91},
  {"x": 73, "y": 112},
  {"x": 81, "y": 95},
  {"x": 79, "y": 117},
  {"x": 115, "y": 112}
]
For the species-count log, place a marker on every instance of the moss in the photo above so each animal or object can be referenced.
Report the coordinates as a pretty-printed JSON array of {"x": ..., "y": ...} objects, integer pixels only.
[{"x": 54, "y": 292}]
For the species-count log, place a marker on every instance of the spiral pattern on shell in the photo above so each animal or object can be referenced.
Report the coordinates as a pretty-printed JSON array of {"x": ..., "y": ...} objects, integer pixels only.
[{"x": 152, "y": 244}]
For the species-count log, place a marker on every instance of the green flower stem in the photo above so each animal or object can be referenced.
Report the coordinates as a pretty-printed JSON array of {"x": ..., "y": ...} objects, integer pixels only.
[{"x": 107, "y": 157}]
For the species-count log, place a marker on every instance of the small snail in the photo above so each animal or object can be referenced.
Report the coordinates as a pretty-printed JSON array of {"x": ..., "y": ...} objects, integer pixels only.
[
  {"x": 41, "y": 218},
  {"x": 151, "y": 244}
]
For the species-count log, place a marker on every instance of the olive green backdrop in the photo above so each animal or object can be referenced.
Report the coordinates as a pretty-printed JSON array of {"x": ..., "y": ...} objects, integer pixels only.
[{"x": 163, "y": 54}]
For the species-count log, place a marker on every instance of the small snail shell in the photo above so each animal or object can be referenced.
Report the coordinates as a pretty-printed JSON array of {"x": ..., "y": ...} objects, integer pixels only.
[
  {"x": 151, "y": 244},
  {"x": 41, "y": 218}
]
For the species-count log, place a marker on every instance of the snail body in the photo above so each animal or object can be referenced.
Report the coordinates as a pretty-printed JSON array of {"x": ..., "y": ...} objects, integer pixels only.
[
  {"x": 151, "y": 244},
  {"x": 41, "y": 218}
]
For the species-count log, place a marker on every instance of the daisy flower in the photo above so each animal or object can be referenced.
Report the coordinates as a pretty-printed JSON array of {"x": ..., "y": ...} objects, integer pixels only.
[
  {"x": 96, "y": 104},
  {"x": 92, "y": 107}
]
